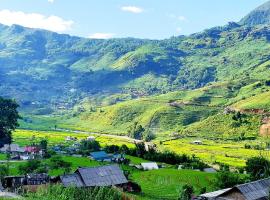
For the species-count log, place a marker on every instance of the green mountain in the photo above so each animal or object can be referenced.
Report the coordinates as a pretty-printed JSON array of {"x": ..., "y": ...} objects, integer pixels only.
[
  {"x": 178, "y": 84},
  {"x": 260, "y": 15}
]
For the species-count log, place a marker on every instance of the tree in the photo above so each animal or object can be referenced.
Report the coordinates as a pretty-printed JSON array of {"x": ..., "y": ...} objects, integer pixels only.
[
  {"x": 136, "y": 131},
  {"x": 8, "y": 119},
  {"x": 3, "y": 171},
  {"x": 33, "y": 166},
  {"x": 43, "y": 144},
  {"x": 258, "y": 167},
  {"x": 57, "y": 162},
  {"x": 227, "y": 179},
  {"x": 89, "y": 146},
  {"x": 186, "y": 192}
]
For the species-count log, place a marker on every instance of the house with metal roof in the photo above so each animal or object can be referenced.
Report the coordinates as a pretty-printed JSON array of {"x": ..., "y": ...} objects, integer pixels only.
[
  {"x": 149, "y": 166},
  {"x": 100, "y": 156},
  {"x": 257, "y": 190},
  {"x": 95, "y": 176}
]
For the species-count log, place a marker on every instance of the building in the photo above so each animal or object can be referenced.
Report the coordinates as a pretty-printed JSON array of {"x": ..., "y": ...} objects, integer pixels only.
[
  {"x": 90, "y": 138},
  {"x": 197, "y": 142},
  {"x": 257, "y": 190},
  {"x": 14, "y": 182},
  {"x": 209, "y": 170},
  {"x": 13, "y": 149},
  {"x": 110, "y": 175},
  {"x": 149, "y": 166},
  {"x": 100, "y": 156}
]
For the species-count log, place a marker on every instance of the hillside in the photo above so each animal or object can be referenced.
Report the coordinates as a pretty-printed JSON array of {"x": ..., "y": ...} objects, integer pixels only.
[
  {"x": 171, "y": 85},
  {"x": 260, "y": 15}
]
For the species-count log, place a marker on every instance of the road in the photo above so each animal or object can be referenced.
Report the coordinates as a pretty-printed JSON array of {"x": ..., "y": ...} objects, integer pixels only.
[{"x": 100, "y": 134}]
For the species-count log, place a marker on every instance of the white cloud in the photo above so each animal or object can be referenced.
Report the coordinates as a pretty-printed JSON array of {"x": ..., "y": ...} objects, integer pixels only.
[
  {"x": 35, "y": 20},
  {"x": 101, "y": 35},
  {"x": 132, "y": 9},
  {"x": 182, "y": 18},
  {"x": 178, "y": 29},
  {"x": 178, "y": 18},
  {"x": 51, "y": 1}
]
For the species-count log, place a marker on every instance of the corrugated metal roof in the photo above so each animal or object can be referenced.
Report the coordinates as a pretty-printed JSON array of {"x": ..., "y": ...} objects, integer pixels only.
[
  {"x": 72, "y": 180},
  {"x": 102, "y": 176},
  {"x": 99, "y": 155},
  {"x": 149, "y": 166},
  {"x": 213, "y": 195},
  {"x": 255, "y": 190}
]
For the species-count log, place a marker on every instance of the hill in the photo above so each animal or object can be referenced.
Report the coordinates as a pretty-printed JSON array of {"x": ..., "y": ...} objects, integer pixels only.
[
  {"x": 170, "y": 85},
  {"x": 260, "y": 15}
]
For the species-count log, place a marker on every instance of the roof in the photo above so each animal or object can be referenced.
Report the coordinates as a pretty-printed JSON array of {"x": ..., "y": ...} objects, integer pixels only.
[
  {"x": 149, "y": 166},
  {"x": 210, "y": 170},
  {"x": 72, "y": 180},
  {"x": 99, "y": 155},
  {"x": 12, "y": 148},
  {"x": 102, "y": 176},
  {"x": 255, "y": 190},
  {"x": 213, "y": 195}
]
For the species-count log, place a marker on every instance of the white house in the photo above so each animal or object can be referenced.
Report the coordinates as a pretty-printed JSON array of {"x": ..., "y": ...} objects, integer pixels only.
[{"x": 149, "y": 166}]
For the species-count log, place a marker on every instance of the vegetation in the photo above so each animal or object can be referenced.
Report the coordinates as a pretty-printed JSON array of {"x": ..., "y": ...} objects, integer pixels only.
[
  {"x": 71, "y": 193},
  {"x": 258, "y": 167},
  {"x": 186, "y": 192},
  {"x": 8, "y": 120}
]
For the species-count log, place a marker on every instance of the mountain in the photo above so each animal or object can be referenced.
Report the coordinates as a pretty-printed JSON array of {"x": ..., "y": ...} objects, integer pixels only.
[
  {"x": 177, "y": 84},
  {"x": 260, "y": 15}
]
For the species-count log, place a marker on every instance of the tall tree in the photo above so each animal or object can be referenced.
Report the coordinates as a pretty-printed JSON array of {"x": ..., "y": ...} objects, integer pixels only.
[{"x": 8, "y": 119}]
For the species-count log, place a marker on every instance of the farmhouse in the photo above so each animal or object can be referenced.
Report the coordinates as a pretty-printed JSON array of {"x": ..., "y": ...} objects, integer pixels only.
[
  {"x": 14, "y": 182},
  {"x": 149, "y": 166},
  {"x": 100, "y": 156},
  {"x": 110, "y": 175},
  {"x": 198, "y": 142},
  {"x": 257, "y": 190},
  {"x": 14, "y": 149},
  {"x": 209, "y": 170}
]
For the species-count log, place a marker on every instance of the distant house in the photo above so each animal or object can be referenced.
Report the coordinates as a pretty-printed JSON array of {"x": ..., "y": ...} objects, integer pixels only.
[
  {"x": 110, "y": 175},
  {"x": 197, "y": 142},
  {"x": 70, "y": 138},
  {"x": 100, "y": 156},
  {"x": 149, "y": 166},
  {"x": 90, "y": 138},
  {"x": 30, "y": 179},
  {"x": 257, "y": 190},
  {"x": 209, "y": 170},
  {"x": 13, "y": 149},
  {"x": 32, "y": 149}
]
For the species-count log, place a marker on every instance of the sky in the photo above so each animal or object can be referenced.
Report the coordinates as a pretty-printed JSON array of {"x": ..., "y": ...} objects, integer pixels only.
[{"x": 152, "y": 19}]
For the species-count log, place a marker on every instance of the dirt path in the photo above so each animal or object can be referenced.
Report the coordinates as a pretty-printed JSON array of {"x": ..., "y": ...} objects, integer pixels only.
[{"x": 100, "y": 134}]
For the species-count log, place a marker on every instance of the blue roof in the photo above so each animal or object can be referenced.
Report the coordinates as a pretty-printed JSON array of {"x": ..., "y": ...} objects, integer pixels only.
[{"x": 99, "y": 155}]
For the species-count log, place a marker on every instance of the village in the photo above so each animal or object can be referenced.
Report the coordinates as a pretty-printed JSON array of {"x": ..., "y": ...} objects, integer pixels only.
[{"x": 113, "y": 170}]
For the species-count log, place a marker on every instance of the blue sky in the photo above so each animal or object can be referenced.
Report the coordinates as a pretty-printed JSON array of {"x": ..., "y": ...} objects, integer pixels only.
[{"x": 155, "y": 19}]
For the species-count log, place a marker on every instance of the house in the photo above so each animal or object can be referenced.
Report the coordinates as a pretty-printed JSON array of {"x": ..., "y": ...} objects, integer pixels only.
[
  {"x": 13, "y": 149},
  {"x": 90, "y": 138},
  {"x": 213, "y": 195},
  {"x": 70, "y": 138},
  {"x": 257, "y": 190},
  {"x": 14, "y": 182},
  {"x": 197, "y": 142},
  {"x": 37, "y": 179},
  {"x": 32, "y": 149},
  {"x": 209, "y": 170},
  {"x": 110, "y": 175},
  {"x": 100, "y": 156},
  {"x": 149, "y": 166}
]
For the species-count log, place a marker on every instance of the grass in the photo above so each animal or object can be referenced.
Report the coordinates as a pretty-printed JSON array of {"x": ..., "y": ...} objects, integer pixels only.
[
  {"x": 232, "y": 153},
  {"x": 26, "y": 137},
  {"x": 166, "y": 183}
]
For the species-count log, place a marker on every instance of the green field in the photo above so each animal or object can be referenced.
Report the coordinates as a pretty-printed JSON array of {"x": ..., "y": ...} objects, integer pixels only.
[
  {"x": 166, "y": 183},
  {"x": 26, "y": 137}
]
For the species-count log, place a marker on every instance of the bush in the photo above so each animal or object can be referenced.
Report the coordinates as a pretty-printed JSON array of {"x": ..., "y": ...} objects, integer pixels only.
[
  {"x": 186, "y": 192},
  {"x": 72, "y": 193},
  {"x": 258, "y": 167},
  {"x": 57, "y": 162},
  {"x": 33, "y": 166},
  {"x": 227, "y": 179}
]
